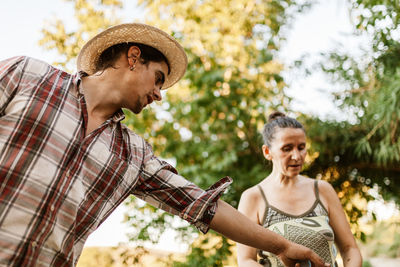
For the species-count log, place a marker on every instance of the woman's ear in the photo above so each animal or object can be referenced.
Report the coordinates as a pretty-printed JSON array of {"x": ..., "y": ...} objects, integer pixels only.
[{"x": 266, "y": 153}]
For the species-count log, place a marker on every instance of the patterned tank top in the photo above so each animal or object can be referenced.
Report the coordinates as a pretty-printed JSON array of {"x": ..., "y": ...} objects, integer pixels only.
[{"x": 310, "y": 229}]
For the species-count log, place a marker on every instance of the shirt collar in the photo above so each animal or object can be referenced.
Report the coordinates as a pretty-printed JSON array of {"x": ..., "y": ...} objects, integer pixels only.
[
  {"x": 77, "y": 81},
  {"x": 118, "y": 116}
]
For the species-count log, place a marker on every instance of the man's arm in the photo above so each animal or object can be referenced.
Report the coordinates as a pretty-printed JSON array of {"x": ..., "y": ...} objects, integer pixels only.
[
  {"x": 234, "y": 225},
  {"x": 160, "y": 186}
]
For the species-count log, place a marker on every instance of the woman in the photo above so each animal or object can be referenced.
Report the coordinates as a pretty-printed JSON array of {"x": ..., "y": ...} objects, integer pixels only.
[{"x": 303, "y": 210}]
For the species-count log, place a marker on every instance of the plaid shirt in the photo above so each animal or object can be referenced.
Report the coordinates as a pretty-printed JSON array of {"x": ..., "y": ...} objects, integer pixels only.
[{"x": 58, "y": 185}]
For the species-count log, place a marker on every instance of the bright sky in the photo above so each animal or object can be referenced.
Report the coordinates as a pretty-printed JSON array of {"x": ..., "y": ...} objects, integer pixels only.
[
  {"x": 21, "y": 21},
  {"x": 317, "y": 31},
  {"x": 314, "y": 32}
]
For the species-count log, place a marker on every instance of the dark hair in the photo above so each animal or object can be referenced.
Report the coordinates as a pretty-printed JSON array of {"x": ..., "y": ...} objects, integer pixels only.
[
  {"x": 278, "y": 120},
  {"x": 110, "y": 55}
]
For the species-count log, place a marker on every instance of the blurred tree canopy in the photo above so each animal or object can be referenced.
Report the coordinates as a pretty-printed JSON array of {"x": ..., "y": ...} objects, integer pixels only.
[
  {"x": 364, "y": 151},
  {"x": 90, "y": 16},
  {"x": 233, "y": 80},
  {"x": 209, "y": 122}
]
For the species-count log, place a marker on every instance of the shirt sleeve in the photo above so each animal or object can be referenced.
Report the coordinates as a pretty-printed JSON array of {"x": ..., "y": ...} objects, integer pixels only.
[
  {"x": 161, "y": 186},
  {"x": 11, "y": 71}
]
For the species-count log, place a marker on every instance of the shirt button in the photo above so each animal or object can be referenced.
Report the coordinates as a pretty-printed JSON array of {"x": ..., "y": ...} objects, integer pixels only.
[
  {"x": 185, "y": 216},
  {"x": 34, "y": 244},
  {"x": 52, "y": 208},
  {"x": 298, "y": 220},
  {"x": 68, "y": 173}
]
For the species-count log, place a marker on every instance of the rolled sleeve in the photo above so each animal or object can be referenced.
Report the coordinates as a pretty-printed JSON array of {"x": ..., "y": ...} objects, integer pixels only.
[
  {"x": 161, "y": 186},
  {"x": 201, "y": 211}
]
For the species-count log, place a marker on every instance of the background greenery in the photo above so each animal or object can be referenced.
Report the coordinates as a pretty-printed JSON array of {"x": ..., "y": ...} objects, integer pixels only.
[{"x": 209, "y": 123}]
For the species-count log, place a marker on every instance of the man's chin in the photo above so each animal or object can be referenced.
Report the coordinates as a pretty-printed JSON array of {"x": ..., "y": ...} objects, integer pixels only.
[{"x": 137, "y": 109}]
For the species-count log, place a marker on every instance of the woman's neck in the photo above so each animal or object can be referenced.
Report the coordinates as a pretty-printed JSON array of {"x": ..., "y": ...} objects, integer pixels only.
[{"x": 283, "y": 180}]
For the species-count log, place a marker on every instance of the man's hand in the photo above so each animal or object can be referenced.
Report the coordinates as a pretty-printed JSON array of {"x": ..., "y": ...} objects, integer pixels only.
[
  {"x": 244, "y": 231},
  {"x": 295, "y": 252}
]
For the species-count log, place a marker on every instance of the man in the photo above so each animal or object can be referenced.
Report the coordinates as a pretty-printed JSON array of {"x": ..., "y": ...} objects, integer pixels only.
[{"x": 67, "y": 162}]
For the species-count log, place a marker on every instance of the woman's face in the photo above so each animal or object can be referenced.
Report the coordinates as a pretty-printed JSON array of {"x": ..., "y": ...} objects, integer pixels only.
[{"x": 288, "y": 151}]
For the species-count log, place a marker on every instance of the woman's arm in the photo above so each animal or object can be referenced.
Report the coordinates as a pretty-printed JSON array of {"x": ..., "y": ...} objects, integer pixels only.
[
  {"x": 234, "y": 225},
  {"x": 337, "y": 219},
  {"x": 249, "y": 206}
]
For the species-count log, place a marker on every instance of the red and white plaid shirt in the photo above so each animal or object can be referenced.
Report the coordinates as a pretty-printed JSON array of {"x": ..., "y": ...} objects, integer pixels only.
[{"x": 57, "y": 186}]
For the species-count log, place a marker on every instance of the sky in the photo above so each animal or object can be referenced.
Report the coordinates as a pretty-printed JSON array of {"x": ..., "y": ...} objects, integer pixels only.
[
  {"x": 316, "y": 31},
  {"x": 21, "y": 21},
  {"x": 313, "y": 32}
]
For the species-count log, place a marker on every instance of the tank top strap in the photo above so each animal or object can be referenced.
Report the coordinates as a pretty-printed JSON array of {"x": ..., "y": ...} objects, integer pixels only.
[
  {"x": 263, "y": 195},
  {"x": 316, "y": 192},
  {"x": 266, "y": 203},
  {"x": 318, "y": 199}
]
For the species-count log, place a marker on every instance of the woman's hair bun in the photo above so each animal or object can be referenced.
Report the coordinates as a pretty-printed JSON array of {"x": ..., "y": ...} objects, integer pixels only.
[{"x": 275, "y": 115}]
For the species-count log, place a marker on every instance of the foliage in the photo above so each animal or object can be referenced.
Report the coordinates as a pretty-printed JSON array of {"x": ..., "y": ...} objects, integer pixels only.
[
  {"x": 209, "y": 123},
  {"x": 204, "y": 252},
  {"x": 370, "y": 93},
  {"x": 92, "y": 257},
  {"x": 363, "y": 151},
  {"x": 233, "y": 80},
  {"x": 384, "y": 241},
  {"x": 90, "y": 16},
  {"x": 226, "y": 91},
  {"x": 124, "y": 256}
]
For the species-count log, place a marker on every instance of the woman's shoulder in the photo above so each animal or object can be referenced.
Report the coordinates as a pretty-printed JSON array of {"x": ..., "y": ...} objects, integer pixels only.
[
  {"x": 252, "y": 193},
  {"x": 251, "y": 203},
  {"x": 251, "y": 196},
  {"x": 327, "y": 194},
  {"x": 322, "y": 185},
  {"x": 325, "y": 188}
]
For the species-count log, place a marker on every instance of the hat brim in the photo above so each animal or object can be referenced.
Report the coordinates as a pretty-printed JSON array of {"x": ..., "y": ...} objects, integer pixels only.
[{"x": 137, "y": 33}]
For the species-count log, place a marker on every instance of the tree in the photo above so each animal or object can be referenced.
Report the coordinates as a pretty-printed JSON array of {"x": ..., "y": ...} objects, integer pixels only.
[
  {"x": 209, "y": 123},
  {"x": 232, "y": 82},
  {"x": 218, "y": 110},
  {"x": 365, "y": 149},
  {"x": 90, "y": 16}
]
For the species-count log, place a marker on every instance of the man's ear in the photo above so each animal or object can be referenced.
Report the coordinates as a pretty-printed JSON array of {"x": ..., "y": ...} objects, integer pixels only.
[
  {"x": 266, "y": 153},
  {"x": 133, "y": 54}
]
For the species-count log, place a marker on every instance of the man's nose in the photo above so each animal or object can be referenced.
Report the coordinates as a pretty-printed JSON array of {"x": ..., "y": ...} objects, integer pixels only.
[{"x": 157, "y": 94}]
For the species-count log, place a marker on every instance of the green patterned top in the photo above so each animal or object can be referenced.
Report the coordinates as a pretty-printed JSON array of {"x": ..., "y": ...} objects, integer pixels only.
[{"x": 310, "y": 229}]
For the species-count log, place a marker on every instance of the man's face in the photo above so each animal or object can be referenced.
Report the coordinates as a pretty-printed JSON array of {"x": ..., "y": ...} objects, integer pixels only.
[{"x": 143, "y": 85}]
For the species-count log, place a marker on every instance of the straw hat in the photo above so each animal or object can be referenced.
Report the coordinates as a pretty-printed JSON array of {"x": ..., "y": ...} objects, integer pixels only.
[{"x": 138, "y": 33}]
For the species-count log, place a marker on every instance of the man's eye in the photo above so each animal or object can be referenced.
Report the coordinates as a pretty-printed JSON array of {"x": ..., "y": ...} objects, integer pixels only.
[{"x": 159, "y": 78}]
